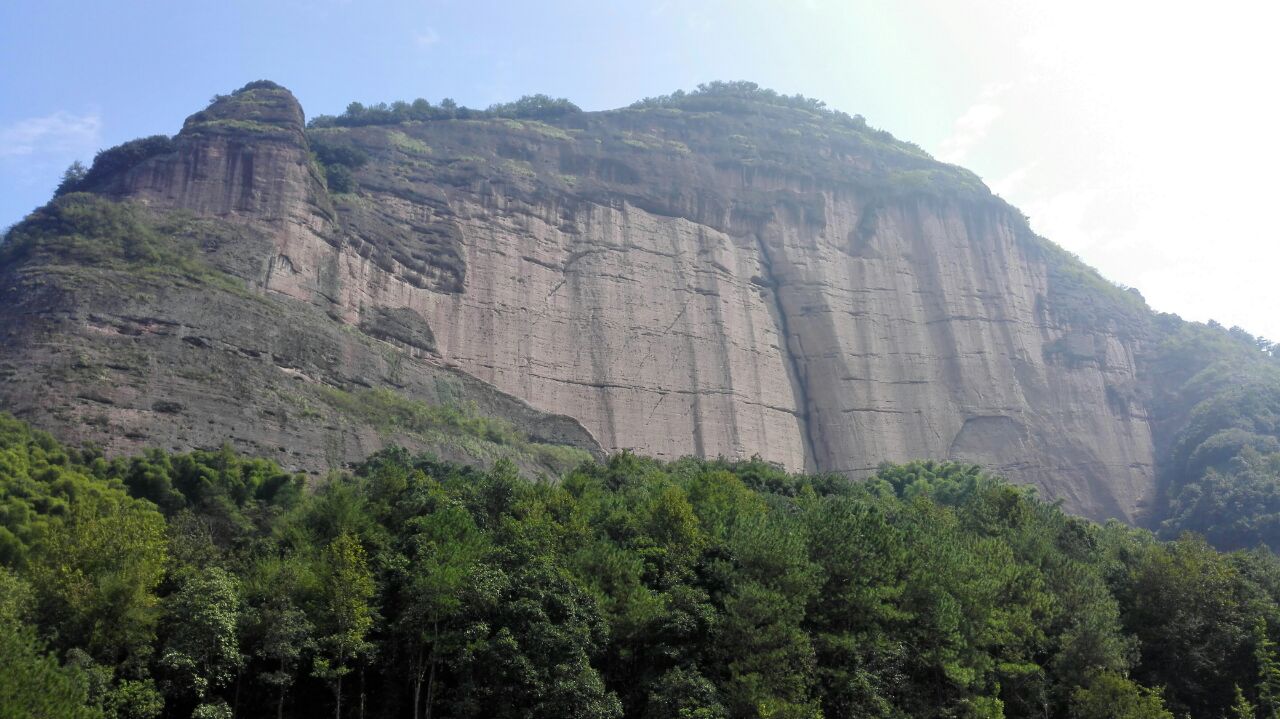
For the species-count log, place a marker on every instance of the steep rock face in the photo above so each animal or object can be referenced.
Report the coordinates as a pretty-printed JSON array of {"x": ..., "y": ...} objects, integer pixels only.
[
  {"x": 760, "y": 281},
  {"x": 155, "y": 348}
]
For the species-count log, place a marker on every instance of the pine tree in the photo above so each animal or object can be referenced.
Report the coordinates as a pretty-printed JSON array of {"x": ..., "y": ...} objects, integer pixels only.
[
  {"x": 1241, "y": 708},
  {"x": 1268, "y": 673}
]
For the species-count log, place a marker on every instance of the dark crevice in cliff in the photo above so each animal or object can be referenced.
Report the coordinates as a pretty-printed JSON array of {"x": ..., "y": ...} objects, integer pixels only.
[{"x": 796, "y": 372}]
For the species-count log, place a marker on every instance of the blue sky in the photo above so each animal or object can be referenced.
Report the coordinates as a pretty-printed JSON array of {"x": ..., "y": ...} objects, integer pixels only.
[{"x": 1140, "y": 136}]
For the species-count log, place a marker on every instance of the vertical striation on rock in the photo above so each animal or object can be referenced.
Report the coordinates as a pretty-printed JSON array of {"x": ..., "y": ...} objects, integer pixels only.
[{"x": 754, "y": 280}]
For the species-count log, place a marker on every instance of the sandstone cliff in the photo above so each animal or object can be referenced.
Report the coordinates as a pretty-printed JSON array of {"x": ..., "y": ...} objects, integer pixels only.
[
  {"x": 738, "y": 280},
  {"x": 167, "y": 319}
]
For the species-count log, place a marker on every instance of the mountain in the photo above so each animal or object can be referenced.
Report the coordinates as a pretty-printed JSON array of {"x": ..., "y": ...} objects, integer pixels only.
[{"x": 727, "y": 272}]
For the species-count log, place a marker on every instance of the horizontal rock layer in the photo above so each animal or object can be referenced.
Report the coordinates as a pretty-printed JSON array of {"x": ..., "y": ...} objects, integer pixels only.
[{"x": 796, "y": 293}]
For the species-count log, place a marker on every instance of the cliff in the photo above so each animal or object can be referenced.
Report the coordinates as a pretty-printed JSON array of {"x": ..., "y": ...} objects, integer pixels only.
[
  {"x": 155, "y": 308},
  {"x": 694, "y": 275}
]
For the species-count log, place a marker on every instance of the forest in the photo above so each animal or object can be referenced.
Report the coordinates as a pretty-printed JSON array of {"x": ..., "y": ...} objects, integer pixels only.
[{"x": 209, "y": 584}]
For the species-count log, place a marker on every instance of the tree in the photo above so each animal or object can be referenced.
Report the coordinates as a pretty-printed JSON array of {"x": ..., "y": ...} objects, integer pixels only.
[
  {"x": 1242, "y": 709},
  {"x": 286, "y": 634},
  {"x": 443, "y": 551},
  {"x": 32, "y": 684},
  {"x": 684, "y": 694},
  {"x": 277, "y": 627},
  {"x": 97, "y": 573},
  {"x": 346, "y": 615},
  {"x": 769, "y": 657},
  {"x": 117, "y": 697},
  {"x": 530, "y": 651},
  {"x": 202, "y": 652},
  {"x": 1268, "y": 672},
  {"x": 71, "y": 178},
  {"x": 856, "y": 615},
  {"x": 1183, "y": 601},
  {"x": 1111, "y": 696}
]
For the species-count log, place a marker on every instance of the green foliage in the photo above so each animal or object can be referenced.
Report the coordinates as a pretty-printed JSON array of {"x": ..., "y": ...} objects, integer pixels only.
[
  {"x": 1111, "y": 696},
  {"x": 214, "y": 710},
  {"x": 113, "y": 162},
  {"x": 38, "y": 479},
  {"x": 740, "y": 95},
  {"x": 201, "y": 653},
  {"x": 258, "y": 85},
  {"x": 1242, "y": 708},
  {"x": 536, "y": 107},
  {"x": 483, "y": 435},
  {"x": 693, "y": 589},
  {"x": 228, "y": 491},
  {"x": 684, "y": 694},
  {"x": 1204, "y": 627},
  {"x": 235, "y": 125},
  {"x": 72, "y": 177},
  {"x": 1234, "y": 507},
  {"x": 345, "y": 615},
  {"x": 32, "y": 684},
  {"x": 339, "y": 162},
  {"x": 1264, "y": 654},
  {"x": 95, "y": 572},
  {"x": 1079, "y": 295},
  {"x": 1221, "y": 396},
  {"x": 86, "y": 230}
]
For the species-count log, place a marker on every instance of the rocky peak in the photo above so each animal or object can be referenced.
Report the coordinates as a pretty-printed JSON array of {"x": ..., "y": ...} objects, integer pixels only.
[
  {"x": 259, "y": 110},
  {"x": 245, "y": 157}
]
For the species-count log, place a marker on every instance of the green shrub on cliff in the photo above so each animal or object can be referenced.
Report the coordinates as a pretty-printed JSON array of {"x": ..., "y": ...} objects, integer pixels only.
[
  {"x": 338, "y": 162},
  {"x": 88, "y": 231},
  {"x": 115, "y": 161}
]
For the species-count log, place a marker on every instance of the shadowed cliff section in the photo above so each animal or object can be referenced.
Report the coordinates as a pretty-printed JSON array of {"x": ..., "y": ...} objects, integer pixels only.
[{"x": 725, "y": 273}]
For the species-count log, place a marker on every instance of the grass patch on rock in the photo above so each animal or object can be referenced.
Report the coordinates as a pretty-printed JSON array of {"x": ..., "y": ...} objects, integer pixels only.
[
  {"x": 87, "y": 231},
  {"x": 457, "y": 424}
]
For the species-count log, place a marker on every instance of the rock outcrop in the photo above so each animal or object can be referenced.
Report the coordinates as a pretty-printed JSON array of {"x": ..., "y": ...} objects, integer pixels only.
[
  {"x": 134, "y": 349},
  {"x": 755, "y": 279}
]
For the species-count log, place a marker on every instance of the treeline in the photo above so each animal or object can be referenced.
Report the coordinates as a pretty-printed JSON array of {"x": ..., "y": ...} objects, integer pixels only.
[
  {"x": 536, "y": 107},
  {"x": 744, "y": 96},
  {"x": 720, "y": 95},
  {"x": 207, "y": 584}
]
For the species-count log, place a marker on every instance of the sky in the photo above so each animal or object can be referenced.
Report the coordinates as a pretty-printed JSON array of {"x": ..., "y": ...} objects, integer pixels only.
[{"x": 1142, "y": 136}]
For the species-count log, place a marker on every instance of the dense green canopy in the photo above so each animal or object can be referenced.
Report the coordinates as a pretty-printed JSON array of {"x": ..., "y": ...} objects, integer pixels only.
[{"x": 208, "y": 584}]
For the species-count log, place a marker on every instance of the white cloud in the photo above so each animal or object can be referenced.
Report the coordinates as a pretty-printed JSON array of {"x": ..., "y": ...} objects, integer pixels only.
[
  {"x": 972, "y": 127},
  {"x": 1011, "y": 181},
  {"x": 426, "y": 38},
  {"x": 1141, "y": 139},
  {"x": 61, "y": 133}
]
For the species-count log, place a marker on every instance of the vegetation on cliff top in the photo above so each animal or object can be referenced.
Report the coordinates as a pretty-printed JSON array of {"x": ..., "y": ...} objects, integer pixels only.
[
  {"x": 112, "y": 163},
  {"x": 420, "y": 110},
  {"x": 725, "y": 124},
  {"x": 207, "y": 584}
]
